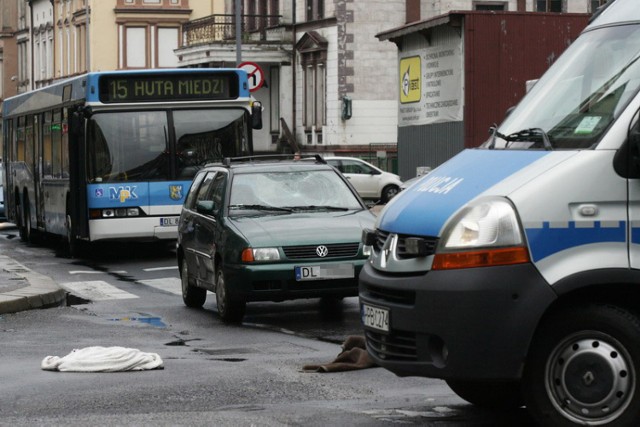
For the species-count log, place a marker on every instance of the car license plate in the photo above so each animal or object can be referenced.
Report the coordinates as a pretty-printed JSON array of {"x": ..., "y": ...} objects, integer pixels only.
[
  {"x": 375, "y": 317},
  {"x": 169, "y": 222},
  {"x": 340, "y": 271}
]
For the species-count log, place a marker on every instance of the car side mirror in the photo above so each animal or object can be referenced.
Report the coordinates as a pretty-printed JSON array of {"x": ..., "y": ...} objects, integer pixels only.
[{"x": 205, "y": 207}]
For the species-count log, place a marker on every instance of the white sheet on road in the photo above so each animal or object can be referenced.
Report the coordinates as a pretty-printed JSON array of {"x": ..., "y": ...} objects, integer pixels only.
[{"x": 103, "y": 359}]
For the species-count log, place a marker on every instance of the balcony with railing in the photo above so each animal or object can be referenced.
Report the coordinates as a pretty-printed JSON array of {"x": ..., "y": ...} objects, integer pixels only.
[
  {"x": 213, "y": 38},
  {"x": 222, "y": 29}
]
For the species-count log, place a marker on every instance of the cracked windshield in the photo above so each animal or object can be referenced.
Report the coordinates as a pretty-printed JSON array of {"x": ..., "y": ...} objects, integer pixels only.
[{"x": 293, "y": 191}]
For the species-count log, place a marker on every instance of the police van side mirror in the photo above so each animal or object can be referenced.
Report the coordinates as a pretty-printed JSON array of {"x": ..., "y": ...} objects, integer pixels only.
[
  {"x": 627, "y": 160},
  {"x": 634, "y": 151}
]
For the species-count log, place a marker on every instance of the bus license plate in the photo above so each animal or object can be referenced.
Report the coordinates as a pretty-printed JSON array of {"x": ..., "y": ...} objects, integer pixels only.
[
  {"x": 169, "y": 222},
  {"x": 375, "y": 317},
  {"x": 340, "y": 271}
]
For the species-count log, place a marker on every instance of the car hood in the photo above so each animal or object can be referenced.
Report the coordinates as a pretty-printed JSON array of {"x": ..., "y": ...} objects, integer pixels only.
[{"x": 304, "y": 228}]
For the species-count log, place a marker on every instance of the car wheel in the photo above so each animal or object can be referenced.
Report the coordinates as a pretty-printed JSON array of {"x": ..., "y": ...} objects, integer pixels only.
[
  {"x": 489, "y": 394},
  {"x": 191, "y": 295},
  {"x": 583, "y": 368},
  {"x": 389, "y": 192},
  {"x": 229, "y": 309}
]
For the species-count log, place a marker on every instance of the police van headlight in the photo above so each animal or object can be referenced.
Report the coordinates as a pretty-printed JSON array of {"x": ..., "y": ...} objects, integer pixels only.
[{"x": 484, "y": 233}]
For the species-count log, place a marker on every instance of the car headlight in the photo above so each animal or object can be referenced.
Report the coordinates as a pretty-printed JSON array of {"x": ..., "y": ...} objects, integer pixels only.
[
  {"x": 485, "y": 233},
  {"x": 260, "y": 254}
]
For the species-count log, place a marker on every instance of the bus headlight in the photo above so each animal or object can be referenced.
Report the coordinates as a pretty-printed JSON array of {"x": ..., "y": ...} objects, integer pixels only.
[
  {"x": 485, "y": 233},
  {"x": 114, "y": 213}
]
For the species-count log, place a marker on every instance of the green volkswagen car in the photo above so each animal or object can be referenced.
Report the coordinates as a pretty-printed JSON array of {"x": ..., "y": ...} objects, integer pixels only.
[{"x": 259, "y": 229}]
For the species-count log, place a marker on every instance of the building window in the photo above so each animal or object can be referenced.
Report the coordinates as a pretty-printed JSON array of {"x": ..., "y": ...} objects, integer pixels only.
[
  {"x": 136, "y": 47},
  {"x": 314, "y": 97},
  {"x": 312, "y": 48},
  {"x": 167, "y": 43},
  {"x": 315, "y": 9},
  {"x": 489, "y": 5},
  {"x": 274, "y": 104},
  {"x": 549, "y": 6}
]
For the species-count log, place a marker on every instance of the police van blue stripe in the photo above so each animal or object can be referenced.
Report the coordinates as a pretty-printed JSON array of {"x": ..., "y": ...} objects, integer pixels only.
[
  {"x": 449, "y": 187},
  {"x": 548, "y": 240}
]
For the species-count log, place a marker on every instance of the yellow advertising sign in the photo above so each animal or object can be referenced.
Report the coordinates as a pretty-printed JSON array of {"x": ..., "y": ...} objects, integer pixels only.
[{"x": 410, "y": 87}]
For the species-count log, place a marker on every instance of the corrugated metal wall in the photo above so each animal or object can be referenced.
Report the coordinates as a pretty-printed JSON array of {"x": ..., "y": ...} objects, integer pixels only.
[
  {"x": 502, "y": 52},
  {"x": 427, "y": 145}
]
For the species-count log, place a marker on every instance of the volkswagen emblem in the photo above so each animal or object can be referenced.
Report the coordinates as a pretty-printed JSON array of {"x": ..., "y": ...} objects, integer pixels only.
[{"x": 322, "y": 251}]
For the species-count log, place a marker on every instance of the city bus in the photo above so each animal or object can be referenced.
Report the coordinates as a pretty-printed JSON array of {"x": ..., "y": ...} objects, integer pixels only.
[{"x": 109, "y": 156}]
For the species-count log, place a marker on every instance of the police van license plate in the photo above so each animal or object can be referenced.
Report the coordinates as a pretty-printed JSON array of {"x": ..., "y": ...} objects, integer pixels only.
[
  {"x": 169, "y": 222},
  {"x": 375, "y": 317},
  {"x": 340, "y": 271}
]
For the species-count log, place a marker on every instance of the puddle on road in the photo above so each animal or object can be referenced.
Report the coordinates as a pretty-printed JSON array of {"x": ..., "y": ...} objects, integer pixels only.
[{"x": 153, "y": 321}]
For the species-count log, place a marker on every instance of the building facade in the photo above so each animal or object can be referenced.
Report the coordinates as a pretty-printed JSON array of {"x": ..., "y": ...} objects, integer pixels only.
[{"x": 327, "y": 83}]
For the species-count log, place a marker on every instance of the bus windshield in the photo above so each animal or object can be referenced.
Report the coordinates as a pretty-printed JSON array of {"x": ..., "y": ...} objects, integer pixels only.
[
  {"x": 160, "y": 145},
  {"x": 576, "y": 101}
]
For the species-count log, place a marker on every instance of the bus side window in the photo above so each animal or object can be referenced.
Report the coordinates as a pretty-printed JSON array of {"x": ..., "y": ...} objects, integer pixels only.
[
  {"x": 47, "y": 164},
  {"x": 56, "y": 138}
]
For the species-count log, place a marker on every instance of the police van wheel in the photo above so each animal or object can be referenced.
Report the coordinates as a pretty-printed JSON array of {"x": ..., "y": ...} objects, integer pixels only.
[
  {"x": 583, "y": 368},
  {"x": 489, "y": 394},
  {"x": 192, "y": 296},
  {"x": 229, "y": 309}
]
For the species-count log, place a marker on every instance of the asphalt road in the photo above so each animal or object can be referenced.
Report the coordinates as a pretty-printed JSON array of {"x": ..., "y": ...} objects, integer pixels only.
[{"x": 249, "y": 374}]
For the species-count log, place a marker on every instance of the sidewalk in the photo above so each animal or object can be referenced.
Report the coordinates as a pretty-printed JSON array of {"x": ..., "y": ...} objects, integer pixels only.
[{"x": 23, "y": 289}]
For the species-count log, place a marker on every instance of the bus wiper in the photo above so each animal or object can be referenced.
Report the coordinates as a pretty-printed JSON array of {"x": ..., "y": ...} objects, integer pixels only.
[
  {"x": 261, "y": 208},
  {"x": 318, "y": 207}
]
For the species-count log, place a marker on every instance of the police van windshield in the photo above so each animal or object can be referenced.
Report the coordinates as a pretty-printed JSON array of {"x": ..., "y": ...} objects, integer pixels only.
[{"x": 576, "y": 101}]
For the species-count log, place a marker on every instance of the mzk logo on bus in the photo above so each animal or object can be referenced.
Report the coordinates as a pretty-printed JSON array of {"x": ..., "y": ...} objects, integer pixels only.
[
  {"x": 175, "y": 192},
  {"x": 123, "y": 193}
]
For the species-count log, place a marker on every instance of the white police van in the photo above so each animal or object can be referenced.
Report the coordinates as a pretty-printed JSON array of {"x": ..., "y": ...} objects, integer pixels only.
[{"x": 512, "y": 271}]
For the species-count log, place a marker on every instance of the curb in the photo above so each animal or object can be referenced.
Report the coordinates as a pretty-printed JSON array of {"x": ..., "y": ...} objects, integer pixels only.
[{"x": 42, "y": 291}]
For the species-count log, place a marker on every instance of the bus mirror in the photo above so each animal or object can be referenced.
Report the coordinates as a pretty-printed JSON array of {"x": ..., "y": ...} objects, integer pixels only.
[{"x": 256, "y": 115}]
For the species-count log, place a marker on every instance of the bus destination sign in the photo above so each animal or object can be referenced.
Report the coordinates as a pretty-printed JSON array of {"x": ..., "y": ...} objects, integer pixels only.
[{"x": 168, "y": 87}]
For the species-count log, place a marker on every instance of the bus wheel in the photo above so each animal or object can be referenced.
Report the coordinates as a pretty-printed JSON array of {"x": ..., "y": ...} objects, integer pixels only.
[
  {"x": 230, "y": 310},
  {"x": 191, "y": 295},
  {"x": 25, "y": 221},
  {"x": 489, "y": 394},
  {"x": 583, "y": 368}
]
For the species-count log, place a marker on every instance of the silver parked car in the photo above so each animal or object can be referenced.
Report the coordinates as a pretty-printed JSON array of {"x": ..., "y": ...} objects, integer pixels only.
[{"x": 369, "y": 181}]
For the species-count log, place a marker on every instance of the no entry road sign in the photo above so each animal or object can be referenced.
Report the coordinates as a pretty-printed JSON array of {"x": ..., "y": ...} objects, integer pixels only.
[{"x": 255, "y": 74}]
